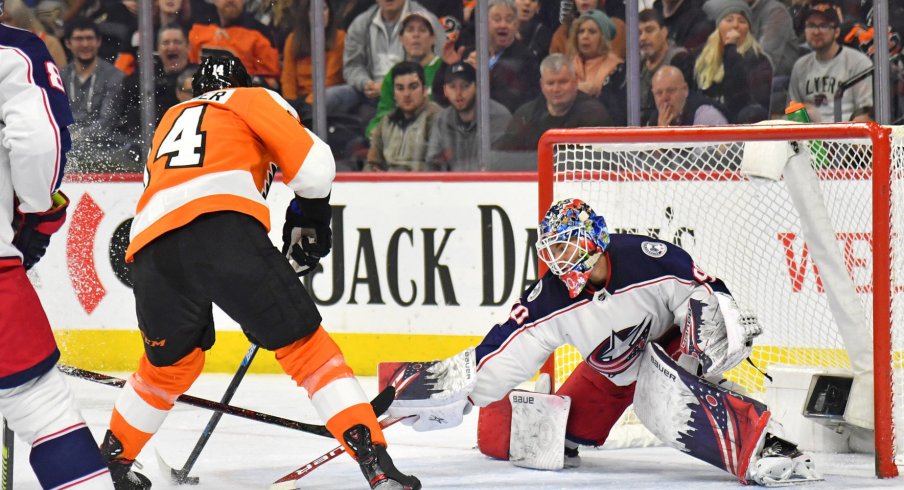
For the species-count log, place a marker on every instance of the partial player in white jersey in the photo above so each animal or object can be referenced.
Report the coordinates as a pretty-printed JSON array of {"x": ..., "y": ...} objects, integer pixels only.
[
  {"x": 653, "y": 329},
  {"x": 36, "y": 402}
]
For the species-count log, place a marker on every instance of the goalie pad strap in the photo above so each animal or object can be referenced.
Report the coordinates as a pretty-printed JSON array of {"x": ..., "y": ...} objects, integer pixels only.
[{"x": 697, "y": 417}]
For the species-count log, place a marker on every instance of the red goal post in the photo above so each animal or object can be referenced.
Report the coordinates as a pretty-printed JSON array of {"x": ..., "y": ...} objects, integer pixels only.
[{"x": 744, "y": 229}]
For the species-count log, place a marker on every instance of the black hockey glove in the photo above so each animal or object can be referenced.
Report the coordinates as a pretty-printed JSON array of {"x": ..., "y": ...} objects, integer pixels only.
[
  {"x": 307, "y": 237},
  {"x": 33, "y": 230}
]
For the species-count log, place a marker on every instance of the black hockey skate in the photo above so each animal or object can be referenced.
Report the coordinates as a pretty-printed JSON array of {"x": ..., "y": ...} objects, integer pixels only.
[
  {"x": 375, "y": 462},
  {"x": 121, "y": 468}
]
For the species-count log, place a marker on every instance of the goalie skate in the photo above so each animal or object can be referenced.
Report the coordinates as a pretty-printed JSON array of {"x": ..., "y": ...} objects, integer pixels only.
[{"x": 781, "y": 464}]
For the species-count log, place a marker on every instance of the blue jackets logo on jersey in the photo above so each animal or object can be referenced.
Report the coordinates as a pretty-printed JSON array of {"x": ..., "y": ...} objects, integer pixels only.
[
  {"x": 654, "y": 249},
  {"x": 535, "y": 292},
  {"x": 631, "y": 343}
]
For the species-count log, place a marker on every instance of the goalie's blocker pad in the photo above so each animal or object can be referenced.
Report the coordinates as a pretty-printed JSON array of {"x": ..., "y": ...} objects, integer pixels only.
[{"x": 697, "y": 417}]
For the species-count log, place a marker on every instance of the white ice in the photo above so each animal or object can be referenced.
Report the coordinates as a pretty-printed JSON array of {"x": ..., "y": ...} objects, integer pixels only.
[{"x": 244, "y": 454}]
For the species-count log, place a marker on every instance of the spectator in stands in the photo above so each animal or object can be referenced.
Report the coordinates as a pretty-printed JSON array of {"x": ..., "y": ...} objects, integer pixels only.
[
  {"x": 688, "y": 26},
  {"x": 774, "y": 29},
  {"x": 816, "y": 76},
  {"x": 559, "y": 42},
  {"x": 239, "y": 33},
  {"x": 677, "y": 106},
  {"x": 399, "y": 142},
  {"x": 656, "y": 50},
  {"x": 510, "y": 60},
  {"x": 533, "y": 33},
  {"x": 418, "y": 41},
  {"x": 183, "y": 83},
  {"x": 561, "y": 105},
  {"x": 453, "y": 138},
  {"x": 297, "y": 80},
  {"x": 372, "y": 47},
  {"x": 601, "y": 73},
  {"x": 773, "y": 26},
  {"x": 732, "y": 69},
  {"x": 17, "y": 14},
  {"x": 94, "y": 87}
]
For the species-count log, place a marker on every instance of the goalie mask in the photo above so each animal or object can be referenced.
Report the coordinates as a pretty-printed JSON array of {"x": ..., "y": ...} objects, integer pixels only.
[
  {"x": 571, "y": 239},
  {"x": 218, "y": 71}
]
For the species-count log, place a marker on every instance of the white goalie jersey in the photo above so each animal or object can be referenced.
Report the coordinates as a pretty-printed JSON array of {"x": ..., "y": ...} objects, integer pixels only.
[{"x": 646, "y": 297}]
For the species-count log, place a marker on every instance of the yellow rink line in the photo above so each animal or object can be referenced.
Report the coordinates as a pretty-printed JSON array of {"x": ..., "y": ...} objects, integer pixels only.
[
  {"x": 763, "y": 356},
  {"x": 119, "y": 350}
]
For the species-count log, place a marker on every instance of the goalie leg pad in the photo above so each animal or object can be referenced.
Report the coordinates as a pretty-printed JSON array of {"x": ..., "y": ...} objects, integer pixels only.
[
  {"x": 538, "y": 430},
  {"x": 697, "y": 417}
]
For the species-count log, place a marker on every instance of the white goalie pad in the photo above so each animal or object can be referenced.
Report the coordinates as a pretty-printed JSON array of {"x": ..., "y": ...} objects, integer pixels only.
[
  {"x": 538, "y": 430},
  {"x": 716, "y": 334}
]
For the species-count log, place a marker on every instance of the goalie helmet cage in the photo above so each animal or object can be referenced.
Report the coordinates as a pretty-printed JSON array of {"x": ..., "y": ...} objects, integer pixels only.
[{"x": 815, "y": 252}]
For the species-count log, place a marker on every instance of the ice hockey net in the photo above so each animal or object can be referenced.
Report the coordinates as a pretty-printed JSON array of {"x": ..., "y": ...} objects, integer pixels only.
[{"x": 685, "y": 185}]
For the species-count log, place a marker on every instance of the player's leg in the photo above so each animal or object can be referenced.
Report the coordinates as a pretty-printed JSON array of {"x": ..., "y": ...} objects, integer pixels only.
[
  {"x": 264, "y": 295},
  {"x": 34, "y": 397},
  {"x": 176, "y": 323},
  {"x": 596, "y": 405}
]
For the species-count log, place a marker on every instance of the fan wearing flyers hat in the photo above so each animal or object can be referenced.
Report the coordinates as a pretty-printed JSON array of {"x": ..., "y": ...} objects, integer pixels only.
[
  {"x": 453, "y": 139},
  {"x": 816, "y": 76}
]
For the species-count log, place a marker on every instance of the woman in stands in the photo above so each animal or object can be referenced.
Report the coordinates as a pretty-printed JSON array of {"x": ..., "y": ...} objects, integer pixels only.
[
  {"x": 297, "y": 71},
  {"x": 601, "y": 73},
  {"x": 733, "y": 69}
]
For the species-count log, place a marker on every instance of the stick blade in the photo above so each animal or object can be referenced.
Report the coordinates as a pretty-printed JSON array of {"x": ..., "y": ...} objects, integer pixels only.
[{"x": 175, "y": 476}]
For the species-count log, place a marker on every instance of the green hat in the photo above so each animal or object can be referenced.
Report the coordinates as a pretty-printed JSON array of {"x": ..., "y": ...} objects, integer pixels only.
[{"x": 602, "y": 20}]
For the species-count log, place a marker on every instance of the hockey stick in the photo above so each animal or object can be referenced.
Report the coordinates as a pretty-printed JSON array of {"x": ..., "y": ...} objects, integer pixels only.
[
  {"x": 380, "y": 403},
  {"x": 288, "y": 481},
  {"x": 399, "y": 376},
  {"x": 8, "y": 451},
  {"x": 181, "y": 476}
]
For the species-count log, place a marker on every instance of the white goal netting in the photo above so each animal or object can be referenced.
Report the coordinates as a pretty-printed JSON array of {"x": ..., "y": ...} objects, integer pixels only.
[{"x": 798, "y": 252}]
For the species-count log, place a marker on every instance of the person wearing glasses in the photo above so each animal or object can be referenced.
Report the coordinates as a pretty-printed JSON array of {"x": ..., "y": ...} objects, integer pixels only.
[{"x": 816, "y": 76}]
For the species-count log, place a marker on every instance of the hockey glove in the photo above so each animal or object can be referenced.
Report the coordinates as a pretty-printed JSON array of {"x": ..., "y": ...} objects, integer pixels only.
[
  {"x": 33, "y": 230},
  {"x": 438, "y": 399},
  {"x": 307, "y": 237}
]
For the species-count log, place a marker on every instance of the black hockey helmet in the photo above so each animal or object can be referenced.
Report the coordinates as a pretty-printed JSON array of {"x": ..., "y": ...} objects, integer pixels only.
[{"x": 219, "y": 69}]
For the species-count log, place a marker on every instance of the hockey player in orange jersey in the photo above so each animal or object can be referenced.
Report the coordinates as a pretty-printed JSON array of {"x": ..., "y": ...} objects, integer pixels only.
[{"x": 199, "y": 238}]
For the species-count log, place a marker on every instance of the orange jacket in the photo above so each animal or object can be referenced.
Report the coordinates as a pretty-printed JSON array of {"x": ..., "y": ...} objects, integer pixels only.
[
  {"x": 297, "y": 74},
  {"x": 248, "y": 39},
  {"x": 219, "y": 152}
]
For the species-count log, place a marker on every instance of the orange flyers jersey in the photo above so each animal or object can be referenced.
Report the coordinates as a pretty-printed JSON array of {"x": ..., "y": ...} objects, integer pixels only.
[{"x": 219, "y": 152}]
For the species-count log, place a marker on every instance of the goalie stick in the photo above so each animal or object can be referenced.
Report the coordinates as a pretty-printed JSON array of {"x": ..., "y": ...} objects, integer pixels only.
[
  {"x": 380, "y": 403},
  {"x": 8, "y": 446},
  {"x": 180, "y": 477}
]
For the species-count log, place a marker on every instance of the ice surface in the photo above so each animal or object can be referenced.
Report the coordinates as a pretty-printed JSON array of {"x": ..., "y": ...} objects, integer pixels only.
[{"x": 244, "y": 454}]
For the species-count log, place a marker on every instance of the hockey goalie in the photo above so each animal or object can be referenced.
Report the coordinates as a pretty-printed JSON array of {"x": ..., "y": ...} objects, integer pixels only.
[{"x": 653, "y": 329}]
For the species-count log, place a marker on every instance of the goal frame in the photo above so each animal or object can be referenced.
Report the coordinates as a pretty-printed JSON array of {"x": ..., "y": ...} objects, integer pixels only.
[{"x": 880, "y": 138}]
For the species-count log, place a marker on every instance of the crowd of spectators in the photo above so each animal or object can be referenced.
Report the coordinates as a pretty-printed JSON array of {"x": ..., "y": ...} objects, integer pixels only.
[{"x": 401, "y": 74}]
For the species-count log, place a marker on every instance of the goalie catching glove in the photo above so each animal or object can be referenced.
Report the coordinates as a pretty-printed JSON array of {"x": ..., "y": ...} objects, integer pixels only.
[
  {"x": 33, "y": 230},
  {"x": 307, "y": 237},
  {"x": 435, "y": 396},
  {"x": 716, "y": 334}
]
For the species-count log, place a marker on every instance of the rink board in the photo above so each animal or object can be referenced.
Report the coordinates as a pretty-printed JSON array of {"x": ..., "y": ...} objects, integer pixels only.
[{"x": 422, "y": 266}]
